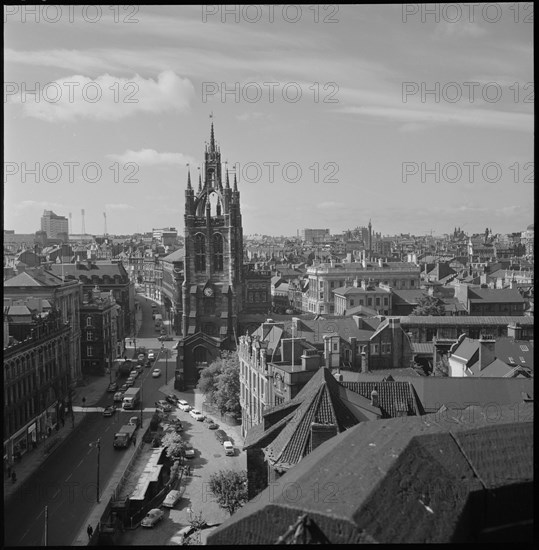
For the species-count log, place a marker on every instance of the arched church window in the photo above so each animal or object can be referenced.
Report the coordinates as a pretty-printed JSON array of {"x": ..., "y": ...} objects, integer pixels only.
[
  {"x": 200, "y": 252},
  {"x": 218, "y": 252}
]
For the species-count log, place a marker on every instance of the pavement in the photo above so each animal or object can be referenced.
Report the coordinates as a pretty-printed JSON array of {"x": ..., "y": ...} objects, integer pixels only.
[{"x": 92, "y": 390}]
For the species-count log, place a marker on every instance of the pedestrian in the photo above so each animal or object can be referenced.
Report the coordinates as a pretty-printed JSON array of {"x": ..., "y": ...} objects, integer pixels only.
[
  {"x": 134, "y": 442},
  {"x": 90, "y": 531},
  {"x": 13, "y": 476}
]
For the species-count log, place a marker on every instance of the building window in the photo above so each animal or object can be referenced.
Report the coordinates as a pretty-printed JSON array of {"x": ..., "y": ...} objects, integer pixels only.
[
  {"x": 88, "y": 321},
  {"x": 386, "y": 301},
  {"x": 89, "y": 351},
  {"x": 374, "y": 349},
  {"x": 377, "y": 301},
  {"x": 218, "y": 252},
  {"x": 200, "y": 252},
  {"x": 369, "y": 302},
  {"x": 89, "y": 335},
  {"x": 351, "y": 303},
  {"x": 412, "y": 283}
]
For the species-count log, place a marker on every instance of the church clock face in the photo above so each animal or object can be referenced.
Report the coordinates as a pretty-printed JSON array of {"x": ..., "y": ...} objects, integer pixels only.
[{"x": 208, "y": 292}]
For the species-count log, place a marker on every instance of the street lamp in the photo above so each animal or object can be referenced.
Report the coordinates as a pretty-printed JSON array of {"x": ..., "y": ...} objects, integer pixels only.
[
  {"x": 98, "y": 445},
  {"x": 141, "y": 397},
  {"x": 165, "y": 352}
]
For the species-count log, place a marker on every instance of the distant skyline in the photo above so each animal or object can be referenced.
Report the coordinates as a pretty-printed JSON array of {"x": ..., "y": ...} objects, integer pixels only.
[{"x": 368, "y": 101}]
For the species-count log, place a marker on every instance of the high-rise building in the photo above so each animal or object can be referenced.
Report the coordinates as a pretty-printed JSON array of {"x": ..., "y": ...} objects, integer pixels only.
[
  {"x": 314, "y": 235},
  {"x": 213, "y": 268},
  {"x": 54, "y": 225}
]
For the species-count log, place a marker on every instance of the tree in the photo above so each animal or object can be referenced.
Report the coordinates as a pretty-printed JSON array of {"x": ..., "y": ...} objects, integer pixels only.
[
  {"x": 429, "y": 305},
  {"x": 207, "y": 382},
  {"x": 174, "y": 445},
  {"x": 220, "y": 383},
  {"x": 227, "y": 395},
  {"x": 230, "y": 489}
]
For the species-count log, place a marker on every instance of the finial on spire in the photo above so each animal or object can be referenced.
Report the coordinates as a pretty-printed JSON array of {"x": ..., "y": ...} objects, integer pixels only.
[
  {"x": 227, "y": 180},
  {"x": 235, "y": 182},
  {"x": 212, "y": 137},
  {"x": 199, "y": 180},
  {"x": 188, "y": 177}
]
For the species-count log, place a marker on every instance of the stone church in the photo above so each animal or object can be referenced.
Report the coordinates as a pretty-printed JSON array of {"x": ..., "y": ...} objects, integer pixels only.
[{"x": 212, "y": 287}]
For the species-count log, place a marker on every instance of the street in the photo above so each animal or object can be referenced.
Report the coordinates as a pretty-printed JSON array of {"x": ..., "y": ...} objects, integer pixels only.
[
  {"x": 197, "y": 499},
  {"x": 66, "y": 482}
]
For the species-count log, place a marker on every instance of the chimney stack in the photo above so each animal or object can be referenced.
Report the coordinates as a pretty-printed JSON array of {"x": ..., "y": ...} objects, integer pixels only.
[
  {"x": 364, "y": 363},
  {"x": 487, "y": 352},
  {"x": 374, "y": 397},
  {"x": 514, "y": 330}
]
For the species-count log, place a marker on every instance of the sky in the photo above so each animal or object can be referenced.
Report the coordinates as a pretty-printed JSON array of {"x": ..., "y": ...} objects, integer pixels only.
[{"x": 417, "y": 117}]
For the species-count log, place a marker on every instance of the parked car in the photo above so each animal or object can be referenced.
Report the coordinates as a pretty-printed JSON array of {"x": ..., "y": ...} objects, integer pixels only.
[
  {"x": 138, "y": 368},
  {"x": 172, "y": 399},
  {"x": 109, "y": 411},
  {"x": 163, "y": 332},
  {"x": 183, "y": 405},
  {"x": 212, "y": 426},
  {"x": 188, "y": 451},
  {"x": 152, "y": 518},
  {"x": 123, "y": 388},
  {"x": 129, "y": 382},
  {"x": 229, "y": 448},
  {"x": 133, "y": 374},
  {"x": 197, "y": 415},
  {"x": 134, "y": 421},
  {"x": 151, "y": 355},
  {"x": 221, "y": 436},
  {"x": 172, "y": 499},
  {"x": 165, "y": 338},
  {"x": 163, "y": 405},
  {"x": 118, "y": 396},
  {"x": 141, "y": 356},
  {"x": 156, "y": 373},
  {"x": 112, "y": 387}
]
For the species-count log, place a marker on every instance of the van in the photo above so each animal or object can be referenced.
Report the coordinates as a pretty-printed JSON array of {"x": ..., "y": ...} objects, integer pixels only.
[{"x": 229, "y": 448}]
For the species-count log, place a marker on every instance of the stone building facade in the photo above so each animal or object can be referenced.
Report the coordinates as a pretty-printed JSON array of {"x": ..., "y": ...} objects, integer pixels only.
[{"x": 212, "y": 290}]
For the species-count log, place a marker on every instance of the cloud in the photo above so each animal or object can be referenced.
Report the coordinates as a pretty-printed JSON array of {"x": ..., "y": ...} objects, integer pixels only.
[
  {"x": 150, "y": 157},
  {"x": 461, "y": 117},
  {"x": 105, "y": 97}
]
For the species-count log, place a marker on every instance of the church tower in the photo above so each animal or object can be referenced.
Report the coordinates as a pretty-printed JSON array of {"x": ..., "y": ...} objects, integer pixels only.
[{"x": 213, "y": 265}]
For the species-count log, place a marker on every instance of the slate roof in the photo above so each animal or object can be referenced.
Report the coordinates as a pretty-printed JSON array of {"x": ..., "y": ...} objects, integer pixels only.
[
  {"x": 33, "y": 277},
  {"x": 320, "y": 402},
  {"x": 393, "y": 397},
  {"x": 423, "y": 348},
  {"x": 96, "y": 268},
  {"x": 466, "y": 320},
  {"x": 405, "y": 296},
  {"x": 495, "y": 295},
  {"x": 400, "y": 480},
  {"x": 515, "y": 352},
  {"x": 174, "y": 256}
]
